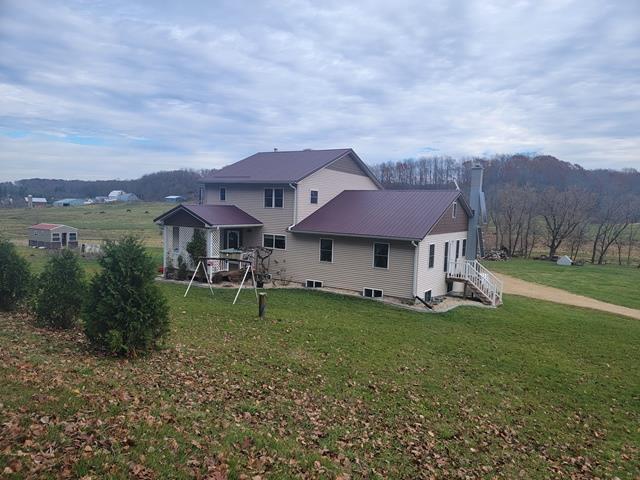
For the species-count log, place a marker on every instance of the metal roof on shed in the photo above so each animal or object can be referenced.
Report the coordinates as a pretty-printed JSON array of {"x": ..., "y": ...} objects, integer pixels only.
[
  {"x": 49, "y": 226},
  {"x": 402, "y": 214}
]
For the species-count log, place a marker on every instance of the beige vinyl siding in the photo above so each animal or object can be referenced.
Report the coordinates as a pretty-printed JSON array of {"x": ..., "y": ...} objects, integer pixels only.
[
  {"x": 352, "y": 267},
  {"x": 434, "y": 279},
  {"x": 347, "y": 164},
  {"x": 250, "y": 198},
  {"x": 328, "y": 183}
]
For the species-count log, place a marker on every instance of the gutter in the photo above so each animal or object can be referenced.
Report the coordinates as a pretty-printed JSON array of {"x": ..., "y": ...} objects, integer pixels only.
[
  {"x": 415, "y": 269},
  {"x": 295, "y": 206}
]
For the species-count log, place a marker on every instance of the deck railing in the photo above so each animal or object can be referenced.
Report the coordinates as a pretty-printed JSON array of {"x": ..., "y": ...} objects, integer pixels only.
[{"x": 476, "y": 274}]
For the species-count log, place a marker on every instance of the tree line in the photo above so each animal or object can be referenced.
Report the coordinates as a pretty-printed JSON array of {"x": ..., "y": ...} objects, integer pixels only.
[
  {"x": 539, "y": 202},
  {"x": 151, "y": 187}
]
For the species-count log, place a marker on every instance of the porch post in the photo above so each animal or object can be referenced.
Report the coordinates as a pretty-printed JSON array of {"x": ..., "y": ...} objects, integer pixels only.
[{"x": 164, "y": 251}]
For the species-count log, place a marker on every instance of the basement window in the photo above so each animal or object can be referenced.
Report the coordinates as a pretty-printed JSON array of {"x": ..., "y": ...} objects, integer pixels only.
[
  {"x": 427, "y": 296},
  {"x": 313, "y": 284},
  {"x": 371, "y": 293},
  {"x": 314, "y": 196}
]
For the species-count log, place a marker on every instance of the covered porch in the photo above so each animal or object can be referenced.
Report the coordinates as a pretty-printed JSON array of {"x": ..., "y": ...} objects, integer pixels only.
[{"x": 226, "y": 228}]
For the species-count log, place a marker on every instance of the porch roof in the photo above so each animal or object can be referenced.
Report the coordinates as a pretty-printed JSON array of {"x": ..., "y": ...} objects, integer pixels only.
[{"x": 207, "y": 216}]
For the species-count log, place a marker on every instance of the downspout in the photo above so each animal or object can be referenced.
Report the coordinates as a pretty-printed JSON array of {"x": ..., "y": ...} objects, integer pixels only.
[
  {"x": 415, "y": 268},
  {"x": 295, "y": 206}
]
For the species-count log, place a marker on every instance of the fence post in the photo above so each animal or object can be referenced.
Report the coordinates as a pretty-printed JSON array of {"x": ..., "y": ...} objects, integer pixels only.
[{"x": 262, "y": 305}]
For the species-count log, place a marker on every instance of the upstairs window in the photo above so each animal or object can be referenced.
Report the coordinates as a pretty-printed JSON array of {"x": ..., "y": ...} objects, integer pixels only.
[
  {"x": 326, "y": 250},
  {"x": 454, "y": 209},
  {"x": 314, "y": 196},
  {"x": 223, "y": 194},
  {"x": 273, "y": 198},
  {"x": 432, "y": 255},
  {"x": 381, "y": 255},
  {"x": 464, "y": 247}
]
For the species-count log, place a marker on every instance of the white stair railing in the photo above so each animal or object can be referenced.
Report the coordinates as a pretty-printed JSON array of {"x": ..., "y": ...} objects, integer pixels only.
[{"x": 477, "y": 275}]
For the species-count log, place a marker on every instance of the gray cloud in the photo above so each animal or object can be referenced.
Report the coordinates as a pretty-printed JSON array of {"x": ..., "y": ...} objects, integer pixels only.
[{"x": 92, "y": 89}]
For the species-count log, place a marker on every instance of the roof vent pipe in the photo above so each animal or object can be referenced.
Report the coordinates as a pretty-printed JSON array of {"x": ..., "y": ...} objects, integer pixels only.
[{"x": 275, "y": 149}]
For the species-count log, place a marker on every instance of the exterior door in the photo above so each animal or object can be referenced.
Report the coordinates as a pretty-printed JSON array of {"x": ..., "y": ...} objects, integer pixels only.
[
  {"x": 233, "y": 239},
  {"x": 64, "y": 239}
]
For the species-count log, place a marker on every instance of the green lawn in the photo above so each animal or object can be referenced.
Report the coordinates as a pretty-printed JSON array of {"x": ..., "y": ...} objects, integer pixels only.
[
  {"x": 609, "y": 283},
  {"x": 96, "y": 222},
  {"x": 328, "y": 386}
]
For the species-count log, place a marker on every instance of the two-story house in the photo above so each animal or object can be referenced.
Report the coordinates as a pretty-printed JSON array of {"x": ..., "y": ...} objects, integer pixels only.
[{"x": 330, "y": 224}]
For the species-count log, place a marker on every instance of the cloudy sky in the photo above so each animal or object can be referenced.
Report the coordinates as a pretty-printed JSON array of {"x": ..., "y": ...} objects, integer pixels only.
[{"x": 115, "y": 89}]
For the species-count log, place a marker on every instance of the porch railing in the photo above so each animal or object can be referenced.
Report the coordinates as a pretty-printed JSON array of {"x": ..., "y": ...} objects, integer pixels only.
[{"x": 473, "y": 272}]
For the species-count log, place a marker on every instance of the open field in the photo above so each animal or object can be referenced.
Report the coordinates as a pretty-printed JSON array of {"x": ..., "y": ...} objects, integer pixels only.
[
  {"x": 327, "y": 386},
  {"x": 96, "y": 222},
  {"x": 609, "y": 283}
]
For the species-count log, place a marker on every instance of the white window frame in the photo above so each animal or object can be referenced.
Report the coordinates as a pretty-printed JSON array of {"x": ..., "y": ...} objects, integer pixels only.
[
  {"x": 429, "y": 264},
  {"x": 388, "y": 255},
  {"x": 220, "y": 194},
  {"x": 315, "y": 283},
  {"x": 320, "y": 250},
  {"x": 75, "y": 237},
  {"x": 454, "y": 210},
  {"x": 274, "y": 235},
  {"x": 53, "y": 237},
  {"x": 273, "y": 197},
  {"x": 311, "y": 197},
  {"x": 373, "y": 290},
  {"x": 430, "y": 292}
]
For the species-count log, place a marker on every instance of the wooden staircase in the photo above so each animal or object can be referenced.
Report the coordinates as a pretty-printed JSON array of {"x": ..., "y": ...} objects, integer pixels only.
[{"x": 484, "y": 284}]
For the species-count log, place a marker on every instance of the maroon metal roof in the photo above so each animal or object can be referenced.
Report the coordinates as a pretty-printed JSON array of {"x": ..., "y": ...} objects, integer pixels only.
[
  {"x": 404, "y": 214},
  {"x": 46, "y": 226},
  {"x": 215, "y": 215},
  {"x": 276, "y": 167}
]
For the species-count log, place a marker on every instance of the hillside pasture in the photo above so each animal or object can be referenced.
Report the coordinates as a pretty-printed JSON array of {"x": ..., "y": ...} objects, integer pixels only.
[
  {"x": 329, "y": 387},
  {"x": 618, "y": 284},
  {"x": 95, "y": 222}
]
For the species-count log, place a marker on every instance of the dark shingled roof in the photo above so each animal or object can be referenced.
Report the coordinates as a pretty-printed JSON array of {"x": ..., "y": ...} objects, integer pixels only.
[
  {"x": 215, "y": 215},
  {"x": 277, "y": 167},
  {"x": 402, "y": 214}
]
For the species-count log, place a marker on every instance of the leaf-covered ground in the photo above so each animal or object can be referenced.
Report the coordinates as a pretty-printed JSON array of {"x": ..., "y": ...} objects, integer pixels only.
[{"x": 329, "y": 387}]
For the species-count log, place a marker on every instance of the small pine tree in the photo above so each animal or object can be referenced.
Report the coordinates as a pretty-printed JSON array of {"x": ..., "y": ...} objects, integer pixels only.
[
  {"x": 197, "y": 246},
  {"x": 125, "y": 312},
  {"x": 60, "y": 291},
  {"x": 15, "y": 277}
]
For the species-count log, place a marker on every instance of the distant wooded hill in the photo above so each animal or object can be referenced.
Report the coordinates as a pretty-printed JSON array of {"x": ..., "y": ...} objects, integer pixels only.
[{"x": 152, "y": 187}]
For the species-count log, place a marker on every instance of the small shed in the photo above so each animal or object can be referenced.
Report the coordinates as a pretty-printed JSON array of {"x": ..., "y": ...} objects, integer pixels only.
[
  {"x": 35, "y": 202},
  {"x": 564, "y": 261},
  {"x": 69, "y": 202},
  {"x": 53, "y": 235},
  {"x": 174, "y": 198}
]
